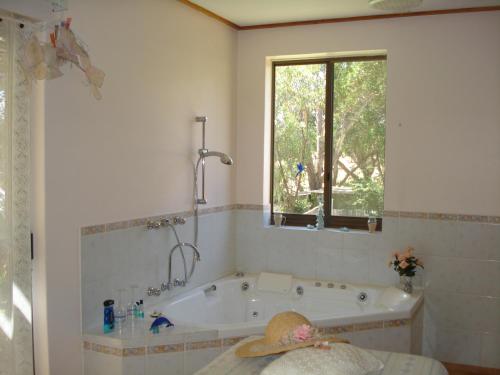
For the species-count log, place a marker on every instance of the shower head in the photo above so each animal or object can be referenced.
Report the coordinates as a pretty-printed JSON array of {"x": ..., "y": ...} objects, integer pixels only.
[{"x": 224, "y": 158}]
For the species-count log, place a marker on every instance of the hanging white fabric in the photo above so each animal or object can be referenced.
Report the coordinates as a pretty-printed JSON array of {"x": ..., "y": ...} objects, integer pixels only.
[{"x": 16, "y": 352}]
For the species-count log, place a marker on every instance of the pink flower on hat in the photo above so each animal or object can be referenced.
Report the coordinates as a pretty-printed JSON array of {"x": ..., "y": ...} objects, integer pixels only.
[{"x": 303, "y": 333}]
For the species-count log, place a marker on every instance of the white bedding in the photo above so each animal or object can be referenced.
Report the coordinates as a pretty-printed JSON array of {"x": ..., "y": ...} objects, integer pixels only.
[{"x": 394, "y": 364}]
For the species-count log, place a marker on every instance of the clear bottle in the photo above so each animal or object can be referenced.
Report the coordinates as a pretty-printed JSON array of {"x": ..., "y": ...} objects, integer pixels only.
[
  {"x": 320, "y": 217},
  {"x": 131, "y": 306},
  {"x": 132, "y": 309},
  {"x": 120, "y": 313}
]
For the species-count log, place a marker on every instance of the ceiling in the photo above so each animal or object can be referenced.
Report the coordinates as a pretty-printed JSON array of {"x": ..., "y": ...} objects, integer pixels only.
[
  {"x": 258, "y": 12},
  {"x": 37, "y": 9}
]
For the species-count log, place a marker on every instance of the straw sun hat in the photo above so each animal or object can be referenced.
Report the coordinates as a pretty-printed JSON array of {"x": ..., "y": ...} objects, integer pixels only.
[{"x": 286, "y": 331}]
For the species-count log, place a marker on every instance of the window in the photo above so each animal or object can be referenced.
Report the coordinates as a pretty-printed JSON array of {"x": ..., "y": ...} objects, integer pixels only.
[{"x": 329, "y": 140}]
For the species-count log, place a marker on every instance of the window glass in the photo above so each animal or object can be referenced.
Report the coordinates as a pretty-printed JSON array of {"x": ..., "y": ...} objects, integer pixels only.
[
  {"x": 299, "y": 137},
  {"x": 358, "y": 150}
]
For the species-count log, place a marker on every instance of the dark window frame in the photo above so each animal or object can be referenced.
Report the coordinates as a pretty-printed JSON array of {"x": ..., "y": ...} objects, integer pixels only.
[{"x": 331, "y": 221}]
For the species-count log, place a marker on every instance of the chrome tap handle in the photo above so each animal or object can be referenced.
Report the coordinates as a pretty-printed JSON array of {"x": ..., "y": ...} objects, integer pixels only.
[
  {"x": 151, "y": 291},
  {"x": 164, "y": 222},
  {"x": 153, "y": 225},
  {"x": 179, "y": 220},
  {"x": 179, "y": 282}
]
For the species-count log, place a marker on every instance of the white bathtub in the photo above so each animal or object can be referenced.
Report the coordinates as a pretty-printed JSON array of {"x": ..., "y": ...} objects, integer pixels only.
[
  {"x": 206, "y": 324},
  {"x": 233, "y": 311}
]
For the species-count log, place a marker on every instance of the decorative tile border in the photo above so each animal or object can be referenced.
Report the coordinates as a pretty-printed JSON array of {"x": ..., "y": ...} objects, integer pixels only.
[
  {"x": 337, "y": 330},
  {"x": 473, "y": 218},
  {"x": 448, "y": 217},
  {"x": 397, "y": 323},
  {"x": 104, "y": 349},
  {"x": 171, "y": 348},
  {"x": 414, "y": 215},
  {"x": 118, "y": 225},
  {"x": 134, "y": 223},
  {"x": 391, "y": 213},
  {"x": 129, "y": 352},
  {"x": 102, "y": 228},
  {"x": 230, "y": 341},
  {"x": 494, "y": 219},
  {"x": 203, "y": 344},
  {"x": 442, "y": 216},
  {"x": 368, "y": 326},
  {"x": 93, "y": 230}
]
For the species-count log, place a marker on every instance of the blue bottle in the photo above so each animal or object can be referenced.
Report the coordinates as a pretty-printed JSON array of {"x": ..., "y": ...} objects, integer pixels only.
[{"x": 109, "y": 316}]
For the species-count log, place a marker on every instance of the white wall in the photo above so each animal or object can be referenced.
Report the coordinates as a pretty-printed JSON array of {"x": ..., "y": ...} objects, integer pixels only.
[
  {"x": 443, "y": 88},
  {"x": 129, "y": 155}
]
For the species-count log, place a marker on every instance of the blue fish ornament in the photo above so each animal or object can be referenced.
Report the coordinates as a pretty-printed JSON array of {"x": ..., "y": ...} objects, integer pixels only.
[{"x": 158, "y": 322}]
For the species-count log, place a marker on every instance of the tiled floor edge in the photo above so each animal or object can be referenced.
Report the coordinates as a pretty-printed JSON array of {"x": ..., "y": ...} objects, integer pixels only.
[{"x": 219, "y": 343}]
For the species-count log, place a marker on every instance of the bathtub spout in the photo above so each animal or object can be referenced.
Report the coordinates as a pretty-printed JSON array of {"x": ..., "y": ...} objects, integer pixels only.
[{"x": 211, "y": 288}]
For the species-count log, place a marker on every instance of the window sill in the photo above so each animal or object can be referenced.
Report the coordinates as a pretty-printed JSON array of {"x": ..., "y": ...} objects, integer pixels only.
[{"x": 330, "y": 230}]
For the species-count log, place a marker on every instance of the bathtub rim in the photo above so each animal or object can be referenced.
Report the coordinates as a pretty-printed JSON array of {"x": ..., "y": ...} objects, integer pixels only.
[{"x": 183, "y": 332}]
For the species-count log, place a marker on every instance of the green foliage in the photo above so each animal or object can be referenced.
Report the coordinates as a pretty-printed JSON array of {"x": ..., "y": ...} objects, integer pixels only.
[{"x": 368, "y": 195}]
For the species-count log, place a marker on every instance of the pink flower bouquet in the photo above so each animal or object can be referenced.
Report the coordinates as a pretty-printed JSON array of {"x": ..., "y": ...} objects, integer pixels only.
[{"x": 405, "y": 263}]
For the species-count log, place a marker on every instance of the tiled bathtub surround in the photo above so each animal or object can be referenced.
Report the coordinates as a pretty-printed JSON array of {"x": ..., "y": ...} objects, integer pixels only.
[
  {"x": 185, "y": 358},
  {"x": 461, "y": 254},
  {"x": 462, "y": 274},
  {"x": 133, "y": 255}
]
